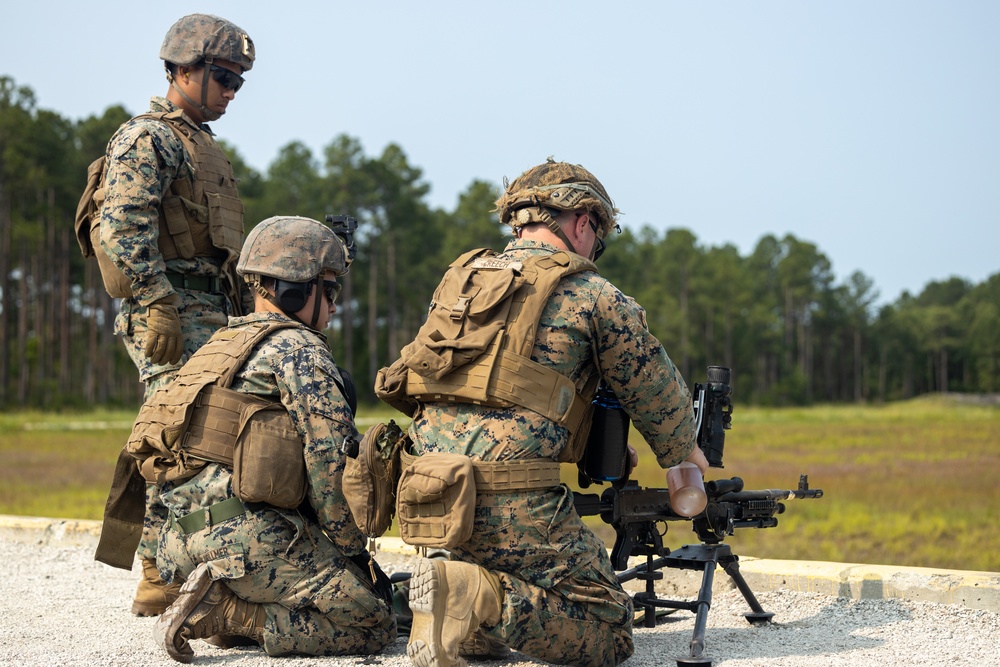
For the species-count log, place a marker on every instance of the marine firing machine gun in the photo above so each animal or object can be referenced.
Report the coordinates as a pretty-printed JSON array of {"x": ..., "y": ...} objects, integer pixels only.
[{"x": 640, "y": 515}]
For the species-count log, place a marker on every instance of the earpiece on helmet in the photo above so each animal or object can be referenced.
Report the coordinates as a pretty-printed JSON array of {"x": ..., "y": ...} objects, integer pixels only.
[{"x": 291, "y": 297}]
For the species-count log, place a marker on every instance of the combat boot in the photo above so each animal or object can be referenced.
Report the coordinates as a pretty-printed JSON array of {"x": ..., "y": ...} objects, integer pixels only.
[
  {"x": 204, "y": 609},
  {"x": 153, "y": 595},
  {"x": 449, "y": 599},
  {"x": 480, "y": 646}
]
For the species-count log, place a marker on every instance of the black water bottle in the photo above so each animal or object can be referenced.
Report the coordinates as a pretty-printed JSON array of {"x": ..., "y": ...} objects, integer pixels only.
[{"x": 606, "y": 458}]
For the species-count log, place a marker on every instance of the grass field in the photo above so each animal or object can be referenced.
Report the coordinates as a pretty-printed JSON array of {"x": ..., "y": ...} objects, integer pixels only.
[{"x": 913, "y": 483}]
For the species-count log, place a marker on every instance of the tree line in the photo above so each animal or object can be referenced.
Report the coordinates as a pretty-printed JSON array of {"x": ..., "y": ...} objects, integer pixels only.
[{"x": 777, "y": 316}]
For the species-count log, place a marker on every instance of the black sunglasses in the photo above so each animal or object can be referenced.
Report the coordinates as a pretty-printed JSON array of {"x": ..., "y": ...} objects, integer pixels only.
[
  {"x": 331, "y": 290},
  {"x": 227, "y": 78}
]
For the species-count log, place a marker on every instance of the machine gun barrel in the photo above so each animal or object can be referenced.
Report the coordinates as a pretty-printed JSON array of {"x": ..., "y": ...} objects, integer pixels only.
[{"x": 726, "y": 491}]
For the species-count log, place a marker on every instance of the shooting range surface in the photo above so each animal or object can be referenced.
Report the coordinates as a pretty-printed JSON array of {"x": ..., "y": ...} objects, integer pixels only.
[{"x": 61, "y": 607}]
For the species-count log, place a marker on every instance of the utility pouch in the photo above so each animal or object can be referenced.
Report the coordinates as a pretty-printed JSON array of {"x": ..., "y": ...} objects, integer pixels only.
[
  {"x": 268, "y": 465},
  {"x": 370, "y": 478},
  {"x": 178, "y": 241},
  {"x": 225, "y": 220},
  {"x": 88, "y": 231},
  {"x": 436, "y": 500}
]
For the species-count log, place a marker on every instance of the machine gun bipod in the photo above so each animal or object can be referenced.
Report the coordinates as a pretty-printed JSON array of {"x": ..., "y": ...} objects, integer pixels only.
[{"x": 704, "y": 558}]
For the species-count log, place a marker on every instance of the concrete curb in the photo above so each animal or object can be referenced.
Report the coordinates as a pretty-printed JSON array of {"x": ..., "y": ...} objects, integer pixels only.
[
  {"x": 976, "y": 590},
  {"x": 40, "y": 530}
]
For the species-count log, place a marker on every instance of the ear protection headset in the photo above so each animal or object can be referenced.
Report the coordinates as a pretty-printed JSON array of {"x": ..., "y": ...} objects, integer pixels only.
[{"x": 291, "y": 297}]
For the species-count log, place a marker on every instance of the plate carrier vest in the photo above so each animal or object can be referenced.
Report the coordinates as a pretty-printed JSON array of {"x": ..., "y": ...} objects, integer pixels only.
[
  {"x": 475, "y": 346},
  {"x": 199, "y": 217},
  {"x": 197, "y": 418}
]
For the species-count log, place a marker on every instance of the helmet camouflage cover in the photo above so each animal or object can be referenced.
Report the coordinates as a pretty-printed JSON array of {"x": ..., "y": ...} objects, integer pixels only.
[
  {"x": 198, "y": 37},
  {"x": 291, "y": 248},
  {"x": 558, "y": 185}
]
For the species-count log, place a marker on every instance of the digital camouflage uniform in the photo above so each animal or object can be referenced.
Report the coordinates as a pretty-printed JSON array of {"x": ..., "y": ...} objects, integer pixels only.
[
  {"x": 316, "y": 600},
  {"x": 144, "y": 158},
  {"x": 562, "y": 602}
]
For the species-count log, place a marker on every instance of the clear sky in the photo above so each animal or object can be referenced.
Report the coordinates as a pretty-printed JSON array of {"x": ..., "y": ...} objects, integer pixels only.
[{"x": 871, "y": 129}]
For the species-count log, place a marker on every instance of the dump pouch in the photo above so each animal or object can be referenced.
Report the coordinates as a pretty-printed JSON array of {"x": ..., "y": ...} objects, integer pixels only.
[
  {"x": 390, "y": 387},
  {"x": 436, "y": 501},
  {"x": 121, "y": 529},
  {"x": 370, "y": 478}
]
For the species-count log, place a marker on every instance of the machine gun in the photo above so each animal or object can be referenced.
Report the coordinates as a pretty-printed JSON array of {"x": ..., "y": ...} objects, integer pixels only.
[{"x": 640, "y": 515}]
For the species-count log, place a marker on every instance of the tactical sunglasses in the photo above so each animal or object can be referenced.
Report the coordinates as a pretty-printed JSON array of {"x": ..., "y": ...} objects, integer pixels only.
[
  {"x": 331, "y": 290},
  {"x": 227, "y": 78}
]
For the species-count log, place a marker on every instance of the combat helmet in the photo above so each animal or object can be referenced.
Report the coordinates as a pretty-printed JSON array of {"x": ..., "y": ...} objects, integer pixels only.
[
  {"x": 294, "y": 251},
  {"x": 556, "y": 185},
  {"x": 203, "y": 38}
]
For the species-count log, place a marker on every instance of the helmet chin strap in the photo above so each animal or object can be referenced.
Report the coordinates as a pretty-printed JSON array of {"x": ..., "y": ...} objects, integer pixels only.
[
  {"x": 317, "y": 290},
  {"x": 207, "y": 114},
  {"x": 595, "y": 251},
  {"x": 556, "y": 229}
]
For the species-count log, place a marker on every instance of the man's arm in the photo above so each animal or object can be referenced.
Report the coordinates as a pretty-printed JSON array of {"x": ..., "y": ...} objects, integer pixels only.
[
  {"x": 323, "y": 418},
  {"x": 144, "y": 158},
  {"x": 636, "y": 367}
]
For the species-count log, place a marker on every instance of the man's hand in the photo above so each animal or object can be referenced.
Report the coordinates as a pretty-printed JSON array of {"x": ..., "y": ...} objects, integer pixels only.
[
  {"x": 697, "y": 457},
  {"x": 633, "y": 460},
  {"x": 164, "y": 340}
]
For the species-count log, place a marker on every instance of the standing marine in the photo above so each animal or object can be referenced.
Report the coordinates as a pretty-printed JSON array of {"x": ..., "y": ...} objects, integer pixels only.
[
  {"x": 504, "y": 372},
  {"x": 170, "y": 229}
]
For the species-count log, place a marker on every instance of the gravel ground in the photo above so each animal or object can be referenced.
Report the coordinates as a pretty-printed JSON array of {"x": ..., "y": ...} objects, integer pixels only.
[{"x": 59, "y": 607}]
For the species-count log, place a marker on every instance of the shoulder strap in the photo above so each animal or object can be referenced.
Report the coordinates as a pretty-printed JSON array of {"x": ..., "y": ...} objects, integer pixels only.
[
  {"x": 467, "y": 257},
  {"x": 175, "y": 120},
  {"x": 219, "y": 412},
  {"x": 227, "y": 351},
  {"x": 547, "y": 271}
]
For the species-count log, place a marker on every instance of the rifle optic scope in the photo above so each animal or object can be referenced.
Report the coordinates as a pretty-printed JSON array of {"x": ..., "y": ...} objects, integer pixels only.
[{"x": 714, "y": 409}]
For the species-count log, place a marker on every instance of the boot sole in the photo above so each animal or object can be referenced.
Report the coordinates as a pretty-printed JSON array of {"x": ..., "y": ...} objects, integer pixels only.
[
  {"x": 427, "y": 588},
  {"x": 172, "y": 620},
  {"x": 481, "y": 647},
  {"x": 148, "y": 609}
]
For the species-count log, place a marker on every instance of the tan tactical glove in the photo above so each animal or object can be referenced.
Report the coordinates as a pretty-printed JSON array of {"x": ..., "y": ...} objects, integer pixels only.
[{"x": 164, "y": 340}]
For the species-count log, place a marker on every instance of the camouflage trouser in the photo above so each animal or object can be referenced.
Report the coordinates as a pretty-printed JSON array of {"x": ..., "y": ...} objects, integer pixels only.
[
  {"x": 316, "y": 600},
  {"x": 562, "y": 602},
  {"x": 201, "y": 314}
]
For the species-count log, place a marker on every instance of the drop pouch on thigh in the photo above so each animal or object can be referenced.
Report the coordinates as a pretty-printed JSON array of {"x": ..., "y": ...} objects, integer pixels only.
[{"x": 436, "y": 501}]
